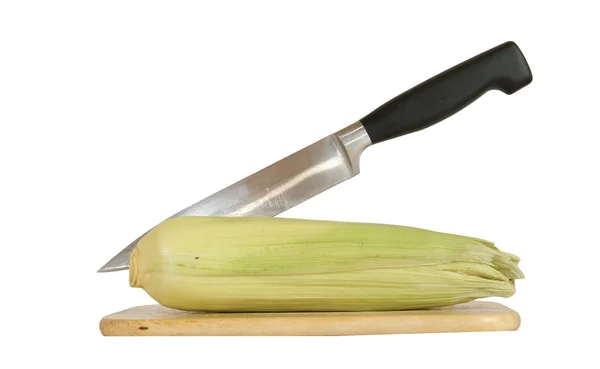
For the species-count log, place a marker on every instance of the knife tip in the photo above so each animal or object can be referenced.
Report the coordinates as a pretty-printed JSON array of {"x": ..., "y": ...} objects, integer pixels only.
[
  {"x": 112, "y": 268},
  {"x": 119, "y": 262},
  {"x": 109, "y": 268}
]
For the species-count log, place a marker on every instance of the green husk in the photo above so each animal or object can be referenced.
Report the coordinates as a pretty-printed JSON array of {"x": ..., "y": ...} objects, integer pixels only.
[{"x": 243, "y": 264}]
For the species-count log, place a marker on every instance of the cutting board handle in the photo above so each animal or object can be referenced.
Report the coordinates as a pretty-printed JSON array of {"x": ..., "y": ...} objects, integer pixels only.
[{"x": 502, "y": 68}]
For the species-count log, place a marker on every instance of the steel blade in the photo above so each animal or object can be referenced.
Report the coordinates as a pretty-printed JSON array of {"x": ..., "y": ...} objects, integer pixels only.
[{"x": 280, "y": 186}]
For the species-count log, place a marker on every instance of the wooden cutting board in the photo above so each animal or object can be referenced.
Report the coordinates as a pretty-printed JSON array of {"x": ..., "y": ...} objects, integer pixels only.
[{"x": 156, "y": 320}]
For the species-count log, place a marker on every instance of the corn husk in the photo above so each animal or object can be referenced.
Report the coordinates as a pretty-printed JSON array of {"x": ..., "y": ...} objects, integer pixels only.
[{"x": 256, "y": 264}]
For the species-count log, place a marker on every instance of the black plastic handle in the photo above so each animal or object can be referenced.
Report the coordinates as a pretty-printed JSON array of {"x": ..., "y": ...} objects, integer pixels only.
[{"x": 501, "y": 68}]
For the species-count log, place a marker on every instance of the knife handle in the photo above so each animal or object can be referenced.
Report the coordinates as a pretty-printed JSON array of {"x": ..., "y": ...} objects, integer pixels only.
[{"x": 501, "y": 68}]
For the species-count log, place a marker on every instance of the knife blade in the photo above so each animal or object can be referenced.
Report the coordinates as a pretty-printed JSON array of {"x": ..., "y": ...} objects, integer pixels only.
[{"x": 335, "y": 158}]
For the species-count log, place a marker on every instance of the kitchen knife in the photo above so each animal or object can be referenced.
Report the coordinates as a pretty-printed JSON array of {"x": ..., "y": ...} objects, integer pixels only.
[{"x": 335, "y": 158}]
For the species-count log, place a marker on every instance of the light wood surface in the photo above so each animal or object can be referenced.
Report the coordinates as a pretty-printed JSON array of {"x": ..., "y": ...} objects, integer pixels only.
[{"x": 156, "y": 320}]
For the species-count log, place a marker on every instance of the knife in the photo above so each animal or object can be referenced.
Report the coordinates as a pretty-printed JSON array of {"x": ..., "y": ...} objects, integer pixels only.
[{"x": 335, "y": 158}]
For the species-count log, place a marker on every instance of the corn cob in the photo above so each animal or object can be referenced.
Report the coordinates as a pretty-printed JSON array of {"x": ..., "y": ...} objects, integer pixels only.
[{"x": 255, "y": 264}]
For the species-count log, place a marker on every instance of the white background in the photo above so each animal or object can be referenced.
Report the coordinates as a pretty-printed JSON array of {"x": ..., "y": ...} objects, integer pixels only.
[{"x": 116, "y": 114}]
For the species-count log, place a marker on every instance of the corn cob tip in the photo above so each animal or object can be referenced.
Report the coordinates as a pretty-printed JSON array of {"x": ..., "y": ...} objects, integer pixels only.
[{"x": 133, "y": 270}]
